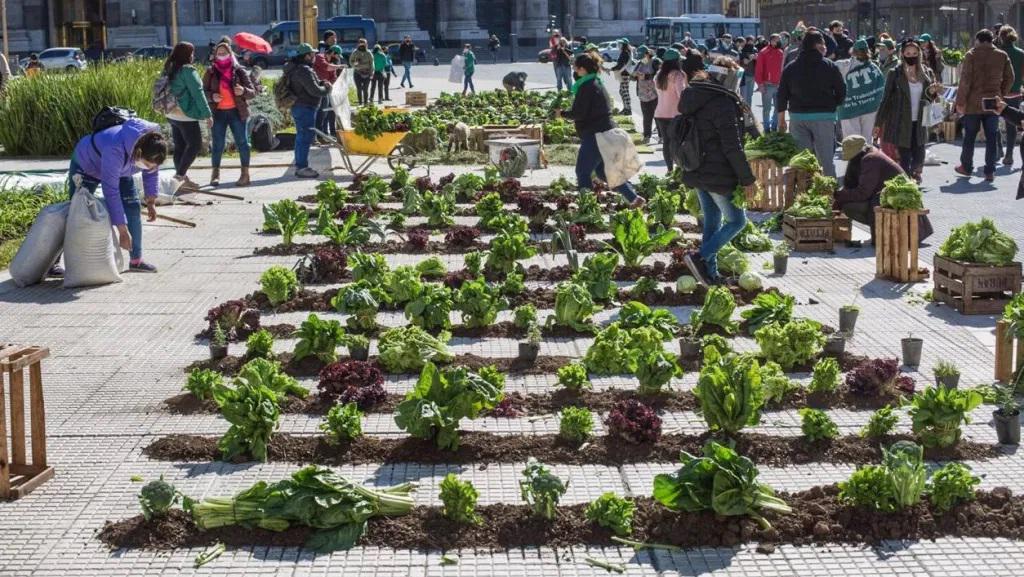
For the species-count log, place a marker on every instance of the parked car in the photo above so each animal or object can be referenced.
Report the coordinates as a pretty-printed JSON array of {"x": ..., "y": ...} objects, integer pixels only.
[
  {"x": 152, "y": 53},
  {"x": 610, "y": 50},
  {"x": 68, "y": 59},
  {"x": 421, "y": 54}
]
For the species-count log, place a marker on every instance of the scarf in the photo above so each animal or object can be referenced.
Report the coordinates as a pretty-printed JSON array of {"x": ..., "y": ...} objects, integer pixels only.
[
  {"x": 225, "y": 68},
  {"x": 583, "y": 80}
]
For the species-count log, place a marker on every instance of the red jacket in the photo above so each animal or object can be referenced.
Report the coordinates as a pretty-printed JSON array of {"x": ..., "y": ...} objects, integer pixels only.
[
  {"x": 769, "y": 66},
  {"x": 322, "y": 71}
]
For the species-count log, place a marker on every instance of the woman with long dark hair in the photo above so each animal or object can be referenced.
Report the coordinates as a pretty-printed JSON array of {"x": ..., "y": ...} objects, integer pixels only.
[
  {"x": 670, "y": 83},
  {"x": 909, "y": 88},
  {"x": 187, "y": 89},
  {"x": 228, "y": 88}
]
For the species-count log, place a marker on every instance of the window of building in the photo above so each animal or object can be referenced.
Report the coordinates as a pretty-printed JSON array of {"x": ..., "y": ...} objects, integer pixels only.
[{"x": 215, "y": 11}]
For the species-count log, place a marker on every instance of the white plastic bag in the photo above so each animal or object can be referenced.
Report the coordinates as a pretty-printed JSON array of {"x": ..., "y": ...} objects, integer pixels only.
[
  {"x": 458, "y": 69},
  {"x": 42, "y": 245},
  {"x": 619, "y": 154},
  {"x": 91, "y": 253},
  {"x": 934, "y": 113},
  {"x": 166, "y": 190},
  {"x": 339, "y": 101}
]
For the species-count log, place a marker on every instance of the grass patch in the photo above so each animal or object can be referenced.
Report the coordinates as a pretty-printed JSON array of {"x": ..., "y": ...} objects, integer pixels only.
[
  {"x": 18, "y": 209},
  {"x": 563, "y": 154},
  {"x": 8, "y": 249}
]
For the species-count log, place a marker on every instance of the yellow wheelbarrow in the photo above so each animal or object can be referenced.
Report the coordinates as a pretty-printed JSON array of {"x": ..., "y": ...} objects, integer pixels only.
[{"x": 387, "y": 145}]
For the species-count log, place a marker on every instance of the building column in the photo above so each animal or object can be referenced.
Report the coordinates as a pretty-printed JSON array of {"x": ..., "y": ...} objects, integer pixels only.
[
  {"x": 586, "y": 18},
  {"x": 532, "y": 17},
  {"x": 462, "y": 24},
  {"x": 402, "y": 21},
  {"x": 629, "y": 9}
]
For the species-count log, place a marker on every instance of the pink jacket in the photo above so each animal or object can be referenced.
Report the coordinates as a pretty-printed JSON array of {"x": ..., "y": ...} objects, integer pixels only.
[
  {"x": 668, "y": 99},
  {"x": 769, "y": 66}
]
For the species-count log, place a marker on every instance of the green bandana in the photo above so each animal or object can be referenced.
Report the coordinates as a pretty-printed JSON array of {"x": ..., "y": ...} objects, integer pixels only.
[{"x": 576, "y": 85}]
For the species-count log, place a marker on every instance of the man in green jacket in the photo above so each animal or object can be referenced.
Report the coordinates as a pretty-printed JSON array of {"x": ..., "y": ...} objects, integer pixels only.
[
  {"x": 1013, "y": 98},
  {"x": 361, "y": 62}
]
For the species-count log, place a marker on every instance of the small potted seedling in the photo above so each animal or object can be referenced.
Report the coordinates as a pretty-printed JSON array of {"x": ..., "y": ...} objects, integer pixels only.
[
  {"x": 1006, "y": 416},
  {"x": 358, "y": 347},
  {"x": 689, "y": 342},
  {"x": 835, "y": 344},
  {"x": 218, "y": 343},
  {"x": 529, "y": 350},
  {"x": 848, "y": 318},
  {"x": 780, "y": 258},
  {"x": 911, "y": 346},
  {"x": 947, "y": 375}
]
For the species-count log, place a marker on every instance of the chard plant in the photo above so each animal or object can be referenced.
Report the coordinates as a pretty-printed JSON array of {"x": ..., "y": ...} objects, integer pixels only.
[
  {"x": 511, "y": 244},
  {"x": 318, "y": 338},
  {"x": 937, "y": 414},
  {"x": 588, "y": 210},
  {"x": 633, "y": 241},
  {"x": 287, "y": 217},
  {"x": 596, "y": 274},
  {"x": 541, "y": 489},
  {"x": 768, "y": 308},
  {"x": 373, "y": 191},
  {"x": 355, "y": 230},
  {"x": 279, "y": 284},
  {"x": 342, "y": 423},
  {"x": 459, "y": 500},
  {"x": 441, "y": 398},
  {"x": 269, "y": 374}
]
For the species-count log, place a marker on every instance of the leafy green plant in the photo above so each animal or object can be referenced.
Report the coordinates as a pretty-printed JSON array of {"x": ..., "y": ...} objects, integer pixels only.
[
  {"x": 636, "y": 314},
  {"x": 937, "y": 412},
  {"x": 541, "y": 489},
  {"x": 373, "y": 190},
  {"x": 717, "y": 342},
  {"x": 729, "y": 390},
  {"x": 287, "y": 217},
  {"x": 202, "y": 382},
  {"x": 403, "y": 349},
  {"x": 342, "y": 423},
  {"x": 596, "y": 274},
  {"x": 573, "y": 307},
  {"x": 769, "y": 307},
  {"x": 664, "y": 205},
  {"x": 269, "y": 374},
  {"x": 825, "y": 376},
  {"x": 474, "y": 262},
  {"x": 466, "y": 186},
  {"x": 514, "y": 284},
  {"x": 259, "y": 345},
  {"x": 331, "y": 196},
  {"x": 721, "y": 481},
  {"x": 894, "y": 485},
  {"x": 279, "y": 284},
  {"x": 654, "y": 370},
  {"x": 525, "y": 315},
  {"x": 611, "y": 351},
  {"x": 157, "y": 497},
  {"x": 880, "y": 423},
  {"x": 507, "y": 247},
  {"x": 575, "y": 424},
  {"x": 817, "y": 425},
  {"x": 588, "y": 210},
  {"x": 792, "y": 343},
  {"x": 902, "y": 193},
  {"x": 489, "y": 209},
  {"x": 979, "y": 242},
  {"x": 776, "y": 385},
  {"x": 252, "y": 409},
  {"x": 319, "y": 338},
  {"x": 355, "y": 230},
  {"x": 574, "y": 377},
  {"x": 361, "y": 304},
  {"x": 438, "y": 207},
  {"x": 441, "y": 398},
  {"x": 370, "y": 267},
  {"x": 951, "y": 485},
  {"x": 643, "y": 286},
  {"x": 459, "y": 500},
  {"x": 432, "y": 268},
  {"x": 946, "y": 369},
  {"x": 403, "y": 284},
  {"x": 479, "y": 302},
  {"x": 717, "y": 310},
  {"x": 411, "y": 199},
  {"x": 431, "y": 309},
  {"x": 612, "y": 512},
  {"x": 633, "y": 241}
]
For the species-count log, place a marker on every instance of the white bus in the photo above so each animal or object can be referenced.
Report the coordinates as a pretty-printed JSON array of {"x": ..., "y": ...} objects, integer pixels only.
[{"x": 664, "y": 31}]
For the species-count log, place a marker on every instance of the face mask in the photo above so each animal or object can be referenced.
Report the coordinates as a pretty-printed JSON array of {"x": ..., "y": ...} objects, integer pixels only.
[
  {"x": 883, "y": 54},
  {"x": 726, "y": 43},
  {"x": 141, "y": 164},
  {"x": 222, "y": 58},
  {"x": 778, "y": 44},
  {"x": 910, "y": 60}
]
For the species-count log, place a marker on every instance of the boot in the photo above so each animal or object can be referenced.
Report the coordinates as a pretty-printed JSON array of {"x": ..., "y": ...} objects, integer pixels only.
[
  {"x": 244, "y": 179},
  {"x": 215, "y": 177}
]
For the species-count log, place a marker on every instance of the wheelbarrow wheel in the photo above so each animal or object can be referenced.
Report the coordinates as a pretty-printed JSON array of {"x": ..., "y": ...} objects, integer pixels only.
[{"x": 402, "y": 155}]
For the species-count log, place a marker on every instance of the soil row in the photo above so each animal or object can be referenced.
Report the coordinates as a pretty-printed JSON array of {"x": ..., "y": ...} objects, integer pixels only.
[
  {"x": 818, "y": 517},
  {"x": 481, "y": 447}
]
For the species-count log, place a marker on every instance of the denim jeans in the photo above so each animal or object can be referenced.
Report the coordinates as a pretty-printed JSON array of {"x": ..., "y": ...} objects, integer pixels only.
[
  {"x": 467, "y": 83},
  {"x": 129, "y": 200},
  {"x": 589, "y": 161},
  {"x": 304, "y": 117},
  {"x": 972, "y": 122},
  {"x": 716, "y": 208},
  {"x": 769, "y": 114},
  {"x": 666, "y": 140},
  {"x": 222, "y": 120},
  {"x": 1011, "y": 128},
  {"x": 563, "y": 76},
  {"x": 818, "y": 136},
  {"x": 407, "y": 75},
  {"x": 747, "y": 92}
]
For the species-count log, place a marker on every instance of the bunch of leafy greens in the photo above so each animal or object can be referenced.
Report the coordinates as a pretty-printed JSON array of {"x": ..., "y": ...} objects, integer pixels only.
[
  {"x": 664, "y": 205},
  {"x": 636, "y": 314},
  {"x": 979, "y": 242},
  {"x": 805, "y": 160},
  {"x": 479, "y": 302},
  {"x": 730, "y": 391},
  {"x": 880, "y": 423},
  {"x": 902, "y": 193},
  {"x": 633, "y": 240},
  {"x": 287, "y": 217},
  {"x": 315, "y": 497},
  {"x": 721, "y": 481},
  {"x": 732, "y": 261},
  {"x": 612, "y": 512},
  {"x": 654, "y": 370},
  {"x": 937, "y": 413},
  {"x": 574, "y": 307},
  {"x": 319, "y": 338},
  {"x": 279, "y": 284},
  {"x": 575, "y": 424},
  {"x": 950, "y": 485},
  {"x": 361, "y": 302},
  {"x": 596, "y": 274},
  {"x": 769, "y": 307},
  {"x": 588, "y": 210},
  {"x": 268, "y": 373},
  {"x": 574, "y": 377},
  {"x": 459, "y": 500},
  {"x": 202, "y": 382},
  {"x": 489, "y": 209},
  {"x": 816, "y": 425},
  {"x": 777, "y": 146},
  {"x": 441, "y": 398},
  {"x": 431, "y": 308},
  {"x": 403, "y": 285},
  {"x": 894, "y": 485},
  {"x": 541, "y": 489},
  {"x": 751, "y": 239},
  {"x": 259, "y": 345},
  {"x": 370, "y": 267},
  {"x": 717, "y": 310},
  {"x": 790, "y": 344},
  {"x": 438, "y": 207},
  {"x": 776, "y": 385},
  {"x": 611, "y": 351},
  {"x": 252, "y": 409},
  {"x": 825, "y": 376},
  {"x": 342, "y": 423},
  {"x": 404, "y": 349},
  {"x": 331, "y": 196},
  {"x": 809, "y": 205},
  {"x": 508, "y": 246}
]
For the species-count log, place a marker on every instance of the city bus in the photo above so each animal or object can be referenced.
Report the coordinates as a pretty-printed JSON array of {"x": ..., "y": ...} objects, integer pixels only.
[{"x": 664, "y": 31}]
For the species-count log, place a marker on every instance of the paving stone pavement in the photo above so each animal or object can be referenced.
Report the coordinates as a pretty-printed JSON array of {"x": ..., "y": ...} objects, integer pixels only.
[{"x": 119, "y": 350}]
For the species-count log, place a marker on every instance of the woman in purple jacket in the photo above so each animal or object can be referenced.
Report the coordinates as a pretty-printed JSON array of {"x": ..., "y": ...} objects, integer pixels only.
[{"x": 108, "y": 159}]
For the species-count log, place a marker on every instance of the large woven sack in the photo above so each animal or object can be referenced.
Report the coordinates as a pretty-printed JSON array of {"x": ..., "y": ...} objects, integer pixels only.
[
  {"x": 41, "y": 247},
  {"x": 91, "y": 254}
]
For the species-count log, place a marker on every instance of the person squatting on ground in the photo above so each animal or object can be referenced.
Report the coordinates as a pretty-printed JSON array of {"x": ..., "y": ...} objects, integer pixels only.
[
  {"x": 187, "y": 88},
  {"x": 307, "y": 90},
  {"x": 228, "y": 88},
  {"x": 867, "y": 169}
]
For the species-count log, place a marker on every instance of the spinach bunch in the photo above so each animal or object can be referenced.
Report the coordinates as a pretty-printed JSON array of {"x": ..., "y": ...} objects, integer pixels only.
[
  {"x": 287, "y": 217},
  {"x": 319, "y": 338},
  {"x": 541, "y": 489},
  {"x": 404, "y": 349},
  {"x": 730, "y": 392},
  {"x": 479, "y": 302},
  {"x": 431, "y": 308},
  {"x": 633, "y": 240},
  {"x": 936, "y": 414},
  {"x": 769, "y": 307}
]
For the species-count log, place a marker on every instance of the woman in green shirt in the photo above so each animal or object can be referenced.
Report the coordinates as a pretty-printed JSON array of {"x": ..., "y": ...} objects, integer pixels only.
[
  {"x": 468, "y": 67},
  {"x": 380, "y": 65},
  {"x": 187, "y": 89}
]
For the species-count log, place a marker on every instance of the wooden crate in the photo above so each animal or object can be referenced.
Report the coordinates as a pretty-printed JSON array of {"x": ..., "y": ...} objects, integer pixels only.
[
  {"x": 797, "y": 181},
  {"x": 415, "y": 98},
  {"x": 1009, "y": 353},
  {"x": 771, "y": 193},
  {"x": 842, "y": 227},
  {"x": 896, "y": 242},
  {"x": 18, "y": 477},
  {"x": 808, "y": 234},
  {"x": 478, "y": 135},
  {"x": 974, "y": 289}
]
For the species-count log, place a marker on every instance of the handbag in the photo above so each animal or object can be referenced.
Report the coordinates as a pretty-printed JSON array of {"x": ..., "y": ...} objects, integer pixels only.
[{"x": 934, "y": 114}]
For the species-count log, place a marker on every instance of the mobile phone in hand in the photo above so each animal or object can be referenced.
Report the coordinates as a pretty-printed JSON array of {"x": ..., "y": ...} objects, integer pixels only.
[{"x": 988, "y": 104}]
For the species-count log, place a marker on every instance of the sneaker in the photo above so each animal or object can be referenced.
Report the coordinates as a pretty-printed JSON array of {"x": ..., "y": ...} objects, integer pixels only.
[
  {"x": 990, "y": 177},
  {"x": 306, "y": 172},
  {"x": 698, "y": 269},
  {"x": 141, "y": 266},
  {"x": 56, "y": 271},
  {"x": 962, "y": 171}
]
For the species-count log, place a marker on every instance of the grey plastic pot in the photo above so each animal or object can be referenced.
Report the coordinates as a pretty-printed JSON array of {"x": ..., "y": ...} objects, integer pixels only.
[
  {"x": 528, "y": 352},
  {"x": 948, "y": 381},
  {"x": 359, "y": 353},
  {"x": 835, "y": 345},
  {"x": 1007, "y": 427},
  {"x": 781, "y": 261},
  {"x": 218, "y": 352},
  {"x": 848, "y": 319},
  {"x": 689, "y": 348},
  {"x": 912, "y": 351}
]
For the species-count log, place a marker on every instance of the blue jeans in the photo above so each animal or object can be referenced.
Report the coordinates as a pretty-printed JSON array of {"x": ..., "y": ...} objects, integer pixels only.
[
  {"x": 129, "y": 200},
  {"x": 467, "y": 83},
  {"x": 407, "y": 75},
  {"x": 222, "y": 120},
  {"x": 304, "y": 117},
  {"x": 972, "y": 122},
  {"x": 717, "y": 234},
  {"x": 769, "y": 115},
  {"x": 747, "y": 92},
  {"x": 563, "y": 76},
  {"x": 589, "y": 160}
]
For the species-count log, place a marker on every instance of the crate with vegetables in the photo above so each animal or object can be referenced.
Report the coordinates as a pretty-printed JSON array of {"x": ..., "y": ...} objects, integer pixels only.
[
  {"x": 811, "y": 224},
  {"x": 768, "y": 154},
  {"x": 897, "y": 231},
  {"x": 975, "y": 270}
]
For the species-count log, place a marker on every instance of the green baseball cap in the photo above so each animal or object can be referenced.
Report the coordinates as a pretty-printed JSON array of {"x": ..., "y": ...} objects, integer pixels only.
[
  {"x": 888, "y": 43},
  {"x": 861, "y": 45},
  {"x": 641, "y": 50},
  {"x": 925, "y": 37},
  {"x": 303, "y": 49},
  {"x": 624, "y": 40},
  {"x": 670, "y": 55},
  {"x": 335, "y": 49}
]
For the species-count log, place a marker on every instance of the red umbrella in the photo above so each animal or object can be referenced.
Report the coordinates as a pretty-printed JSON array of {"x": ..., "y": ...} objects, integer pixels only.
[{"x": 252, "y": 43}]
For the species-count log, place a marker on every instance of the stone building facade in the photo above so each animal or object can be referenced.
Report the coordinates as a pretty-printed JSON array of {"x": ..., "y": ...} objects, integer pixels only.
[{"x": 122, "y": 24}]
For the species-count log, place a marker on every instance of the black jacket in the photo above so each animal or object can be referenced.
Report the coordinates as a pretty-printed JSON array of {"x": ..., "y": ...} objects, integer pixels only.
[
  {"x": 590, "y": 111},
  {"x": 406, "y": 53},
  {"x": 720, "y": 128},
  {"x": 625, "y": 57},
  {"x": 307, "y": 88},
  {"x": 1016, "y": 116},
  {"x": 811, "y": 83}
]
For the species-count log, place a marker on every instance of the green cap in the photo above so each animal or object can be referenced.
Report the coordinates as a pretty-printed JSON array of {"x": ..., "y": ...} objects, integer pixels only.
[
  {"x": 623, "y": 40},
  {"x": 861, "y": 45},
  {"x": 303, "y": 49},
  {"x": 888, "y": 43},
  {"x": 925, "y": 37},
  {"x": 670, "y": 55},
  {"x": 641, "y": 50}
]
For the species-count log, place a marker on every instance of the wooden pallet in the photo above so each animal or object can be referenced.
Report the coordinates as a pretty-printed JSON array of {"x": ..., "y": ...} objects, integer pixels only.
[
  {"x": 415, "y": 98},
  {"x": 18, "y": 477},
  {"x": 1009, "y": 353},
  {"x": 974, "y": 289},
  {"x": 896, "y": 242},
  {"x": 808, "y": 234}
]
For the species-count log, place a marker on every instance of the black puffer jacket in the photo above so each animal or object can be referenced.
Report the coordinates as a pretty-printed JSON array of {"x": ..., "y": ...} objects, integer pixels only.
[
  {"x": 720, "y": 128},
  {"x": 307, "y": 88},
  {"x": 811, "y": 84}
]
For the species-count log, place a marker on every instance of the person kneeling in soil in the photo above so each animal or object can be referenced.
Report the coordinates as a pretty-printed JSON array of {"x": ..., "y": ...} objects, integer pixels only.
[
  {"x": 108, "y": 159},
  {"x": 514, "y": 82},
  {"x": 592, "y": 114}
]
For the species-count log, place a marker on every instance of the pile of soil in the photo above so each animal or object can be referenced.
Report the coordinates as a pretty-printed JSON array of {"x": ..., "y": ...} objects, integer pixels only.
[
  {"x": 311, "y": 366},
  {"x": 480, "y": 447},
  {"x": 818, "y": 517}
]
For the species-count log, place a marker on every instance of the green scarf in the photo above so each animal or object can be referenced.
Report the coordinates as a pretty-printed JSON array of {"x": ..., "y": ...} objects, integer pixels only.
[{"x": 583, "y": 79}]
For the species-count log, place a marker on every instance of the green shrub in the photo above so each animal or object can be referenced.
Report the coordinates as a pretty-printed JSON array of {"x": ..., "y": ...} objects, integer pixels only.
[
  {"x": 202, "y": 382},
  {"x": 825, "y": 376},
  {"x": 575, "y": 424},
  {"x": 19, "y": 207},
  {"x": 950, "y": 485}
]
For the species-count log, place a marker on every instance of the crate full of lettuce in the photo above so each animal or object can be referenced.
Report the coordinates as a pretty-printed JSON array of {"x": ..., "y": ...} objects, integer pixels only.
[
  {"x": 975, "y": 270},
  {"x": 768, "y": 155},
  {"x": 810, "y": 225},
  {"x": 898, "y": 229}
]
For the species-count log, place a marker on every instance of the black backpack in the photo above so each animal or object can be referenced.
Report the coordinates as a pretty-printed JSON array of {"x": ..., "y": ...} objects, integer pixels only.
[
  {"x": 109, "y": 117},
  {"x": 263, "y": 138},
  {"x": 686, "y": 146}
]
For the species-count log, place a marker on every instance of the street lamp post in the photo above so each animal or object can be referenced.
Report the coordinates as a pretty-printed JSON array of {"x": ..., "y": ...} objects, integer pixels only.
[
  {"x": 174, "y": 22},
  {"x": 3, "y": 23}
]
